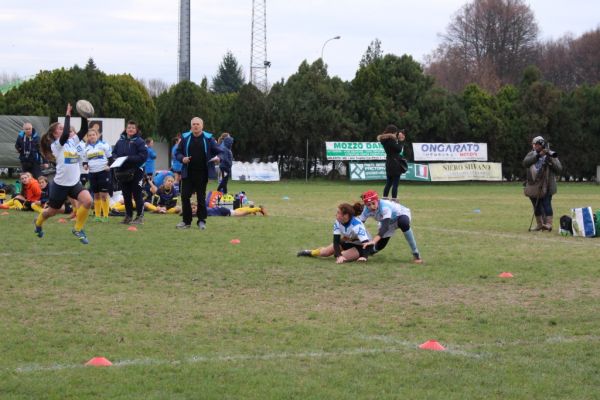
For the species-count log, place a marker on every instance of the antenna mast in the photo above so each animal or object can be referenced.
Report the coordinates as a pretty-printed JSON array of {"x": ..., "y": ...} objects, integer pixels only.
[{"x": 258, "y": 50}]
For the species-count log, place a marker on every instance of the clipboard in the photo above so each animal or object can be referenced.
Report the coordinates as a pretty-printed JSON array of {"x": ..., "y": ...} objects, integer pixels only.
[{"x": 118, "y": 162}]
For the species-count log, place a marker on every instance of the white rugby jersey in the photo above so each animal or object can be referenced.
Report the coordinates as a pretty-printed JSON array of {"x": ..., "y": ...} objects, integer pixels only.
[
  {"x": 67, "y": 161},
  {"x": 386, "y": 209},
  {"x": 352, "y": 232},
  {"x": 97, "y": 155}
]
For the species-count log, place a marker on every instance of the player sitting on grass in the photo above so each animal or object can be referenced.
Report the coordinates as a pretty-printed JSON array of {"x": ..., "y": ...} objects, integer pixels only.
[{"x": 349, "y": 237}]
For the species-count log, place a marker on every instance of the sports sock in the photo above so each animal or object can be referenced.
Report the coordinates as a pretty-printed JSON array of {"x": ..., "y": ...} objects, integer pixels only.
[
  {"x": 82, "y": 215},
  {"x": 410, "y": 239},
  {"x": 105, "y": 206},
  {"x": 37, "y": 207},
  {"x": 315, "y": 252},
  {"x": 173, "y": 210},
  {"x": 150, "y": 207},
  {"x": 40, "y": 219},
  {"x": 97, "y": 207},
  {"x": 119, "y": 207},
  {"x": 250, "y": 210}
]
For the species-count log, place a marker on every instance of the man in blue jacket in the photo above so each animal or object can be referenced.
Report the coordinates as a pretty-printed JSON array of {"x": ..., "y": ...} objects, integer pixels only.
[
  {"x": 28, "y": 146},
  {"x": 198, "y": 152},
  {"x": 131, "y": 174}
]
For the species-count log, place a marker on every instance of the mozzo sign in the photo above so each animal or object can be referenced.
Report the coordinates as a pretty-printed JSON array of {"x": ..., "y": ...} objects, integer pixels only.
[
  {"x": 354, "y": 151},
  {"x": 450, "y": 151}
]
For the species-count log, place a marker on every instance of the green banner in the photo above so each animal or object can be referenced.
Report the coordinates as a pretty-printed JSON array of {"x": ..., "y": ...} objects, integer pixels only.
[{"x": 370, "y": 171}]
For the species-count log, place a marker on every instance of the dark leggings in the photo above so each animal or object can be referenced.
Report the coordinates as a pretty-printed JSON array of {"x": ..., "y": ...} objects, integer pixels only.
[
  {"x": 403, "y": 224},
  {"x": 391, "y": 182},
  {"x": 542, "y": 206}
]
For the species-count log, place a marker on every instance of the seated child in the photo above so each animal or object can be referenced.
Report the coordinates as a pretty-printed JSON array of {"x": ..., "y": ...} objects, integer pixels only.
[{"x": 30, "y": 193}]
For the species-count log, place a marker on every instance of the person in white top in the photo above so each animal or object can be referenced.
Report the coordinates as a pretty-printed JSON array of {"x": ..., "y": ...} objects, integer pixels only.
[
  {"x": 59, "y": 144},
  {"x": 390, "y": 216},
  {"x": 350, "y": 237},
  {"x": 96, "y": 158}
]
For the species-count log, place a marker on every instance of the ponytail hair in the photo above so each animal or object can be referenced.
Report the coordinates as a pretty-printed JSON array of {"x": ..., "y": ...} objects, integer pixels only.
[
  {"x": 46, "y": 142},
  {"x": 358, "y": 208}
]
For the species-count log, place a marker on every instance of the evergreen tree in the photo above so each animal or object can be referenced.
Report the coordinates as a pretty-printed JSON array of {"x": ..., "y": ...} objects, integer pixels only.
[{"x": 230, "y": 77}]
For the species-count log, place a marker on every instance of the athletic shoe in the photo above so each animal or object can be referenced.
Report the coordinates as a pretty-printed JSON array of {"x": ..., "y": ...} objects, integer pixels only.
[
  {"x": 81, "y": 236},
  {"x": 201, "y": 225},
  {"x": 182, "y": 225},
  {"x": 304, "y": 253},
  {"x": 38, "y": 230},
  {"x": 139, "y": 220},
  {"x": 97, "y": 219},
  {"x": 262, "y": 211},
  {"x": 127, "y": 220},
  {"x": 104, "y": 219},
  {"x": 417, "y": 259}
]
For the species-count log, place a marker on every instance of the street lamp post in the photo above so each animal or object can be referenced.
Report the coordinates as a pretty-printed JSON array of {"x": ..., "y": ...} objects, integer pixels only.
[{"x": 327, "y": 41}]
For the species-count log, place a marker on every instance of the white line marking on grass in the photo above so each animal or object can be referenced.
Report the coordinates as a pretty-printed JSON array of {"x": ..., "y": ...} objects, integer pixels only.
[
  {"x": 222, "y": 358},
  {"x": 398, "y": 345}
]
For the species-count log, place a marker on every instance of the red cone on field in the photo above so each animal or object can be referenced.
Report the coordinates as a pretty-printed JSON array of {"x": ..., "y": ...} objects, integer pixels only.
[
  {"x": 234, "y": 241},
  {"x": 505, "y": 275},
  {"x": 61, "y": 221},
  {"x": 432, "y": 345},
  {"x": 98, "y": 362},
  {"x": 132, "y": 229}
]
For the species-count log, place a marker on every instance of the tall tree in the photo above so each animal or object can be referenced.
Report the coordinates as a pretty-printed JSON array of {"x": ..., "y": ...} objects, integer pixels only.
[
  {"x": 155, "y": 87},
  {"x": 230, "y": 77},
  {"x": 372, "y": 54},
  {"x": 489, "y": 42}
]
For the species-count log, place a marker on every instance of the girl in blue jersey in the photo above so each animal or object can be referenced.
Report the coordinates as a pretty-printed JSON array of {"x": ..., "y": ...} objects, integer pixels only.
[
  {"x": 96, "y": 158},
  {"x": 350, "y": 238},
  {"x": 167, "y": 197},
  {"x": 390, "y": 216}
]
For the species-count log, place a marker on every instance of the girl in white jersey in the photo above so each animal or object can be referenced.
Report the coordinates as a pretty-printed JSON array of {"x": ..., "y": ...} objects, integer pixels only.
[
  {"x": 96, "y": 157},
  {"x": 62, "y": 146},
  {"x": 390, "y": 216},
  {"x": 350, "y": 238}
]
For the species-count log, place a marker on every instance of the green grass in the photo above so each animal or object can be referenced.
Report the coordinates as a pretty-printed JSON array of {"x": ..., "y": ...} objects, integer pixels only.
[{"x": 186, "y": 314}]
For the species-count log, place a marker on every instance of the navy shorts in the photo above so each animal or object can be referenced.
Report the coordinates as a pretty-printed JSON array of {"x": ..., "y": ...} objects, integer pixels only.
[
  {"x": 100, "y": 182},
  {"x": 59, "y": 193},
  {"x": 218, "y": 212}
]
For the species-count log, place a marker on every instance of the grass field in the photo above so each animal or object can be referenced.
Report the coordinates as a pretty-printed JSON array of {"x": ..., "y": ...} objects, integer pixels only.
[{"x": 187, "y": 314}]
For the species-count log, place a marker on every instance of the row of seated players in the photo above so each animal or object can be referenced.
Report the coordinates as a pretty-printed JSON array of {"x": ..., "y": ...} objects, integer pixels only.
[{"x": 159, "y": 199}]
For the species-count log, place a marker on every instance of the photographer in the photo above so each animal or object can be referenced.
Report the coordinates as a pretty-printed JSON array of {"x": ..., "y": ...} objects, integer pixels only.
[{"x": 542, "y": 167}]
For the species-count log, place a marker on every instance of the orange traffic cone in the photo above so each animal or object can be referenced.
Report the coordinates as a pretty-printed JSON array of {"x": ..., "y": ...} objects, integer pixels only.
[
  {"x": 98, "y": 362},
  {"x": 505, "y": 275},
  {"x": 132, "y": 229},
  {"x": 234, "y": 241},
  {"x": 432, "y": 345}
]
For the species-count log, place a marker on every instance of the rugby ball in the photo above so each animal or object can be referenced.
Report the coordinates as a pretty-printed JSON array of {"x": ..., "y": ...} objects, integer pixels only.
[{"x": 85, "y": 108}]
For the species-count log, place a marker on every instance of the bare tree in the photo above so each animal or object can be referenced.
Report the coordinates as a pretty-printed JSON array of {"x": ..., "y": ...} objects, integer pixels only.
[
  {"x": 489, "y": 42},
  {"x": 586, "y": 57},
  {"x": 155, "y": 87}
]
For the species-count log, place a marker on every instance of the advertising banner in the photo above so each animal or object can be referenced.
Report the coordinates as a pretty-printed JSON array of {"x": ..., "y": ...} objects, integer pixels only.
[
  {"x": 264, "y": 172},
  {"x": 354, "y": 151},
  {"x": 369, "y": 171},
  {"x": 467, "y": 171},
  {"x": 450, "y": 151}
]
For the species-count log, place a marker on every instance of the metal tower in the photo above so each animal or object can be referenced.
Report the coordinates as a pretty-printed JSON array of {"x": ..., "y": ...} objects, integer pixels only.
[
  {"x": 184, "y": 41},
  {"x": 258, "y": 47}
]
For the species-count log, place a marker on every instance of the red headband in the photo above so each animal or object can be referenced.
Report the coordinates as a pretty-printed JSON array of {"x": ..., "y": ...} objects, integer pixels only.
[{"x": 370, "y": 195}]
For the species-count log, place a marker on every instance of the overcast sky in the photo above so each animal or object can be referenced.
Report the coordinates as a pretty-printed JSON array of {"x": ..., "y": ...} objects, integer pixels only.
[{"x": 140, "y": 36}]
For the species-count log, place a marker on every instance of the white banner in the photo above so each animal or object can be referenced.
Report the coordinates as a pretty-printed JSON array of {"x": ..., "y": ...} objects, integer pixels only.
[
  {"x": 468, "y": 171},
  {"x": 450, "y": 151},
  {"x": 265, "y": 172}
]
